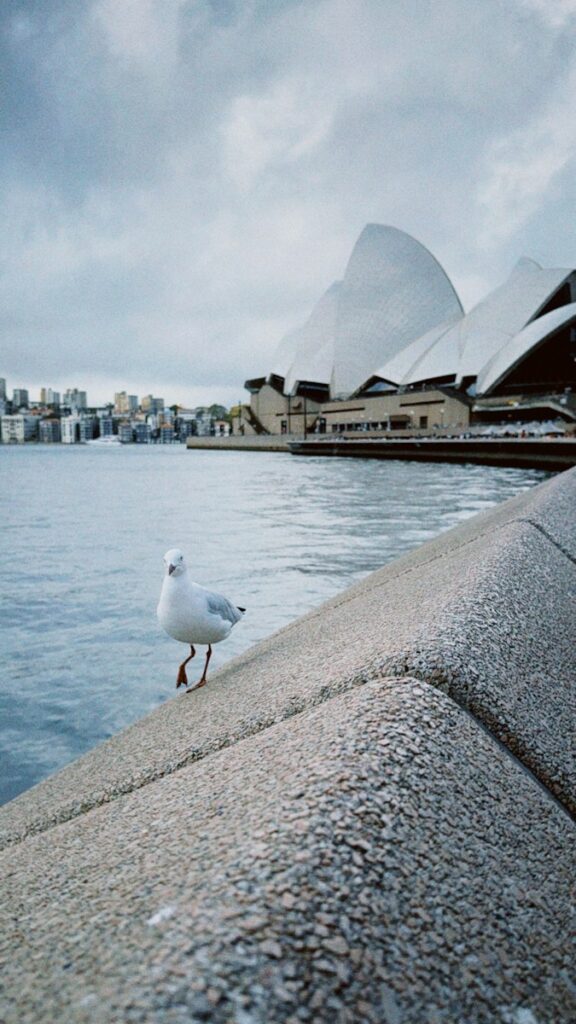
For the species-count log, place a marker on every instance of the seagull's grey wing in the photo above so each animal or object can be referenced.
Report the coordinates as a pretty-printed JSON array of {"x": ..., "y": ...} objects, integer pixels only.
[{"x": 221, "y": 606}]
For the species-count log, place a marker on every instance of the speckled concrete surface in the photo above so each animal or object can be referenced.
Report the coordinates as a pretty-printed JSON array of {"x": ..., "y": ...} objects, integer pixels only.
[
  {"x": 484, "y": 612},
  {"x": 551, "y": 509},
  {"x": 378, "y": 858}
]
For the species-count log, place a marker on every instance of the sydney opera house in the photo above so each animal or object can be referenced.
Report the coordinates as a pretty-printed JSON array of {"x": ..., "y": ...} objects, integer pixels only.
[{"x": 389, "y": 348}]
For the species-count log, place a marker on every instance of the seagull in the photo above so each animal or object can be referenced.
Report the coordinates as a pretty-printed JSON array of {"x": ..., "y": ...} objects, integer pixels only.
[{"x": 192, "y": 614}]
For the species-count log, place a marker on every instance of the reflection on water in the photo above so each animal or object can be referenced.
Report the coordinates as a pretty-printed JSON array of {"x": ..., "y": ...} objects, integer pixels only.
[{"x": 82, "y": 539}]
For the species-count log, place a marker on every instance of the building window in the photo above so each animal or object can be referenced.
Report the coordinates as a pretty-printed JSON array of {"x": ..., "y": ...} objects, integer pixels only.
[{"x": 423, "y": 422}]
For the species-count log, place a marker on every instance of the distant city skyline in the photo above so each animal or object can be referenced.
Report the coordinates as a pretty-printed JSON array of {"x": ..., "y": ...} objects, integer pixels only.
[
  {"x": 99, "y": 393},
  {"x": 182, "y": 178},
  {"x": 71, "y": 417},
  {"x": 103, "y": 397}
]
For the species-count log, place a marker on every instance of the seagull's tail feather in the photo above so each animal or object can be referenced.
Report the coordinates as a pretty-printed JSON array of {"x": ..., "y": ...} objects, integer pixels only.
[{"x": 240, "y": 609}]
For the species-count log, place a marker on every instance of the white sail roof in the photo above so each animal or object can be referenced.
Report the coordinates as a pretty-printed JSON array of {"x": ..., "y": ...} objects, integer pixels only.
[
  {"x": 464, "y": 348},
  {"x": 284, "y": 354},
  {"x": 516, "y": 349},
  {"x": 403, "y": 367},
  {"x": 393, "y": 291},
  {"x": 503, "y": 313},
  {"x": 313, "y": 357},
  {"x": 396, "y": 316}
]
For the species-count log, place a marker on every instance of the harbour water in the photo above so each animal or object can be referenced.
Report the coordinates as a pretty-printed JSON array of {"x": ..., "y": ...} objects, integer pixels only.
[{"x": 83, "y": 532}]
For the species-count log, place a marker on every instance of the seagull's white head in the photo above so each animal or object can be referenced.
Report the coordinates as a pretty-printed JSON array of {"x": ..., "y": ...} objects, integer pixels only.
[{"x": 174, "y": 562}]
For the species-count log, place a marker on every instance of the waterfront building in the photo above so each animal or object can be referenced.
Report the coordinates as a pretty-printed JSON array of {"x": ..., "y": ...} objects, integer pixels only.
[
  {"x": 125, "y": 432},
  {"x": 70, "y": 429},
  {"x": 185, "y": 423},
  {"x": 186, "y": 427},
  {"x": 88, "y": 428},
  {"x": 141, "y": 433},
  {"x": 49, "y": 431},
  {"x": 390, "y": 348},
  {"x": 167, "y": 435},
  {"x": 18, "y": 428},
  {"x": 203, "y": 422},
  {"x": 74, "y": 399},
  {"x": 106, "y": 426},
  {"x": 20, "y": 399},
  {"x": 2, "y": 389}
]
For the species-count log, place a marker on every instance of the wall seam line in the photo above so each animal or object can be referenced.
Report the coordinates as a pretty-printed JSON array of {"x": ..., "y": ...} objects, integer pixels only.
[{"x": 559, "y": 547}]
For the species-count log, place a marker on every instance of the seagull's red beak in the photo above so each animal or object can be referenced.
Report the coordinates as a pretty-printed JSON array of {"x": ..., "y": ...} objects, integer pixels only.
[{"x": 171, "y": 569}]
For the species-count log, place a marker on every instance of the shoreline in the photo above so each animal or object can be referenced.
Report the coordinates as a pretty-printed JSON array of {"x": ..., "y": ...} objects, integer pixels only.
[
  {"x": 523, "y": 453},
  {"x": 312, "y": 819},
  {"x": 553, "y": 454}
]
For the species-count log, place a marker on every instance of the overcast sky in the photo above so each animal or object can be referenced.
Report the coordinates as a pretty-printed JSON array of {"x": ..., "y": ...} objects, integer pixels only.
[{"x": 182, "y": 179}]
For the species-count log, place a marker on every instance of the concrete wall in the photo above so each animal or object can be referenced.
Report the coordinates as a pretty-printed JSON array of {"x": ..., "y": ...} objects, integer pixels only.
[
  {"x": 272, "y": 409},
  {"x": 248, "y": 442},
  {"x": 366, "y": 817},
  {"x": 440, "y": 410}
]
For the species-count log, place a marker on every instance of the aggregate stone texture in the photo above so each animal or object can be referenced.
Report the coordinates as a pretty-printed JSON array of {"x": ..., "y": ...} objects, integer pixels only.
[
  {"x": 551, "y": 510},
  {"x": 376, "y": 859},
  {"x": 485, "y": 612}
]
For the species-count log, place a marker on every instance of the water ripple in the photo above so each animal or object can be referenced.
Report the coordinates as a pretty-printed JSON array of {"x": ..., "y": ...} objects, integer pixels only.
[{"x": 81, "y": 545}]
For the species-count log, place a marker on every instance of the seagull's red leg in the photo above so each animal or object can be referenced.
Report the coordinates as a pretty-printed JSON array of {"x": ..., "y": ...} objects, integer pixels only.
[
  {"x": 203, "y": 681},
  {"x": 181, "y": 678}
]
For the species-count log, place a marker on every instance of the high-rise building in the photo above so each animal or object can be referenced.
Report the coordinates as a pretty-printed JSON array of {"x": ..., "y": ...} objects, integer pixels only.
[
  {"x": 20, "y": 398},
  {"x": 75, "y": 399},
  {"x": 125, "y": 404},
  {"x": 49, "y": 397},
  {"x": 149, "y": 404},
  {"x": 2, "y": 389}
]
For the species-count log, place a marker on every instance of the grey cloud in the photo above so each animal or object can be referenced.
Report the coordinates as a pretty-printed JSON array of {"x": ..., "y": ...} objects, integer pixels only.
[{"x": 184, "y": 179}]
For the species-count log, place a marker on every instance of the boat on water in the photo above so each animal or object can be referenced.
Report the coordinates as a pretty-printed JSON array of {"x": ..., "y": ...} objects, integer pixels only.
[{"x": 110, "y": 441}]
